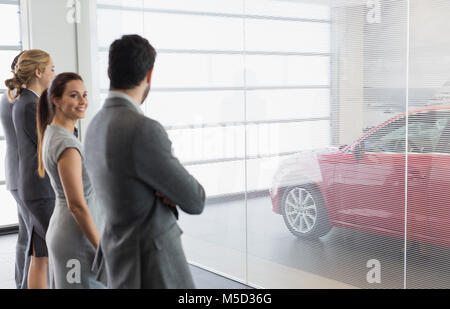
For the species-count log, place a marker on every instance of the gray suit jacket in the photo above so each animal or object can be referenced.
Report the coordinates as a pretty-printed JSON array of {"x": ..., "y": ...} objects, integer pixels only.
[
  {"x": 30, "y": 185},
  {"x": 12, "y": 154},
  {"x": 129, "y": 159}
]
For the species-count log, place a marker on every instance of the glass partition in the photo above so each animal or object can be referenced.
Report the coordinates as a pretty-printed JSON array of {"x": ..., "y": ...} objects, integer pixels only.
[{"x": 428, "y": 211}]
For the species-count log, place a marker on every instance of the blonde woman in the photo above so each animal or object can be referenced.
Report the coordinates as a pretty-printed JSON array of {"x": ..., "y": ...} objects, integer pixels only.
[{"x": 32, "y": 75}]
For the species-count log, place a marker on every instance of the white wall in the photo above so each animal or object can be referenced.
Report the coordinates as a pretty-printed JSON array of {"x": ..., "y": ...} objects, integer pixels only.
[
  {"x": 348, "y": 73},
  {"x": 52, "y": 25},
  {"x": 369, "y": 67},
  {"x": 430, "y": 43},
  {"x": 49, "y": 30},
  {"x": 87, "y": 58}
]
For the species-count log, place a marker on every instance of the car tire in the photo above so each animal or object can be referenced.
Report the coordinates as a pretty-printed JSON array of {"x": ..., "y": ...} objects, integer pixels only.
[{"x": 307, "y": 221}]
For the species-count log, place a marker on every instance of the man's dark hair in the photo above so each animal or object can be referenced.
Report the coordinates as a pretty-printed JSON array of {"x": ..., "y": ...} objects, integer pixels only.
[{"x": 130, "y": 59}]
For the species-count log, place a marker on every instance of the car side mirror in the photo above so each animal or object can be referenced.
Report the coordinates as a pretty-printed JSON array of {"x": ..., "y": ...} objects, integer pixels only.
[{"x": 358, "y": 151}]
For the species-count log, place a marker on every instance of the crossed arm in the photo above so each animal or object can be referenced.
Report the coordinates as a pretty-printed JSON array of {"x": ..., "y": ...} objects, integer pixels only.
[{"x": 156, "y": 165}]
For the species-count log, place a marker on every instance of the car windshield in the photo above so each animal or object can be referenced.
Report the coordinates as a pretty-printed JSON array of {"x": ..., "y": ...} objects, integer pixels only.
[{"x": 424, "y": 131}]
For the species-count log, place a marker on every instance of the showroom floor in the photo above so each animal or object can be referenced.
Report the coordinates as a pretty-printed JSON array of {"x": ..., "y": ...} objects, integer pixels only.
[
  {"x": 276, "y": 259},
  {"x": 203, "y": 279}
]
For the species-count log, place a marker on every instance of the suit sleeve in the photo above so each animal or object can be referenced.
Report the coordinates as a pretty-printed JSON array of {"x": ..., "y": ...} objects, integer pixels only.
[
  {"x": 156, "y": 165},
  {"x": 30, "y": 121}
]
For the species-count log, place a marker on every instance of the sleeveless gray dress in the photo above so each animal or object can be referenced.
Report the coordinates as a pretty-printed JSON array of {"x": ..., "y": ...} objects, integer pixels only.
[{"x": 71, "y": 255}]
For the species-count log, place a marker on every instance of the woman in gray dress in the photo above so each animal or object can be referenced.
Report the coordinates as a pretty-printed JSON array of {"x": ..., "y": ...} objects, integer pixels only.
[{"x": 73, "y": 232}]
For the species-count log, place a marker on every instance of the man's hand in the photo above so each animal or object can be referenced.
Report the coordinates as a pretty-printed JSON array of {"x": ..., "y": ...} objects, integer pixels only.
[{"x": 166, "y": 200}]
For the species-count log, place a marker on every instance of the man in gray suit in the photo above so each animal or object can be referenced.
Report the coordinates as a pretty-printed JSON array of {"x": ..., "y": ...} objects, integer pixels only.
[
  {"x": 138, "y": 182},
  {"x": 12, "y": 176}
]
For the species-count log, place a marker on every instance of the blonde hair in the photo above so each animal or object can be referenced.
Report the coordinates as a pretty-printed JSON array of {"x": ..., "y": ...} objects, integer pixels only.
[{"x": 30, "y": 61}]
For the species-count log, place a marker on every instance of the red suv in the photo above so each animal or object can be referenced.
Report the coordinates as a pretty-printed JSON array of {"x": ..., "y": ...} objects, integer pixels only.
[{"x": 379, "y": 184}]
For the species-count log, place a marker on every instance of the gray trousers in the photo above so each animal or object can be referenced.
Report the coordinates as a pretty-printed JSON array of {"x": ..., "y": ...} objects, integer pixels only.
[{"x": 22, "y": 258}]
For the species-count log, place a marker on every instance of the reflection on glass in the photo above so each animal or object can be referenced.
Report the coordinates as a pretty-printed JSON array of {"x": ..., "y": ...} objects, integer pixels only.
[
  {"x": 313, "y": 37},
  {"x": 114, "y": 23},
  {"x": 194, "y": 31},
  {"x": 287, "y": 71},
  {"x": 177, "y": 70},
  {"x": 195, "y": 108}
]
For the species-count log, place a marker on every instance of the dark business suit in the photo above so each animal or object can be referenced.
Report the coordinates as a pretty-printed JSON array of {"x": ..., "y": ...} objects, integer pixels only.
[
  {"x": 129, "y": 159},
  {"x": 36, "y": 193},
  {"x": 12, "y": 176}
]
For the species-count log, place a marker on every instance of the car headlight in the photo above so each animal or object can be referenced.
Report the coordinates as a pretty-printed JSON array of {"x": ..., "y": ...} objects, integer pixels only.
[{"x": 275, "y": 186}]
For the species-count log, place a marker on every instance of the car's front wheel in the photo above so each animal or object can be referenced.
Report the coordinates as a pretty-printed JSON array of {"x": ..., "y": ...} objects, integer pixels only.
[{"x": 304, "y": 212}]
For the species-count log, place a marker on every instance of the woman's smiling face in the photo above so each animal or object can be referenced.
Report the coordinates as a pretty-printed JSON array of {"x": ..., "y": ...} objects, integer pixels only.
[{"x": 73, "y": 104}]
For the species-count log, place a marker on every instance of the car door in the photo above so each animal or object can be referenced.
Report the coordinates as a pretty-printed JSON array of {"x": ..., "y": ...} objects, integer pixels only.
[
  {"x": 429, "y": 196},
  {"x": 369, "y": 180}
]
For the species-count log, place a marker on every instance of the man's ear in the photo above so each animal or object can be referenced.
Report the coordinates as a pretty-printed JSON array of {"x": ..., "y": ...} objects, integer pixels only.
[
  {"x": 149, "y": 76},
  {"x": 109, "y": 74}
]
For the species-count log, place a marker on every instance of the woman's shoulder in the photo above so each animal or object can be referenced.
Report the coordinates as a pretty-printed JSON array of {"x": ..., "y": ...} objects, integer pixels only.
[
  {"x": 58, "y": 139},
  {"x": 27, "y": 96},
  {"x": 26, "y": 99},
  {"x": 60, "y": 134}
]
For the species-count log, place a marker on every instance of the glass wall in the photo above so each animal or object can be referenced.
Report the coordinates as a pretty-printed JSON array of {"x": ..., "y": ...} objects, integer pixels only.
[
  {"x": 344, "y": 203},
  {"x": 10, "y": 46}
]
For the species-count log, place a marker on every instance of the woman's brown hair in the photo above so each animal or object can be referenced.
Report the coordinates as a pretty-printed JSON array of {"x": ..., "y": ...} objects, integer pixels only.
[
  {"x": 29, "y": 61},
  {"x": 13, "y": 67},
  {"x": 46, "y": 109}
]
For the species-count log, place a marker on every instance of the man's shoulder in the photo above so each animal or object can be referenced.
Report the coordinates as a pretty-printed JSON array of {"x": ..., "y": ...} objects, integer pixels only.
[
  {"x": 150, "y": 127},
  {"x": 151, "y": 122},
  {"x": 114, "y": 120},
  {"x": 125, "y": 119}
]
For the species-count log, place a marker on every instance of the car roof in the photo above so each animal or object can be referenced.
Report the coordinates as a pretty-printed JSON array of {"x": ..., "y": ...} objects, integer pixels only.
[
  {"x": 399, "y": 116},
  {"x": 415, "y": 111}
]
